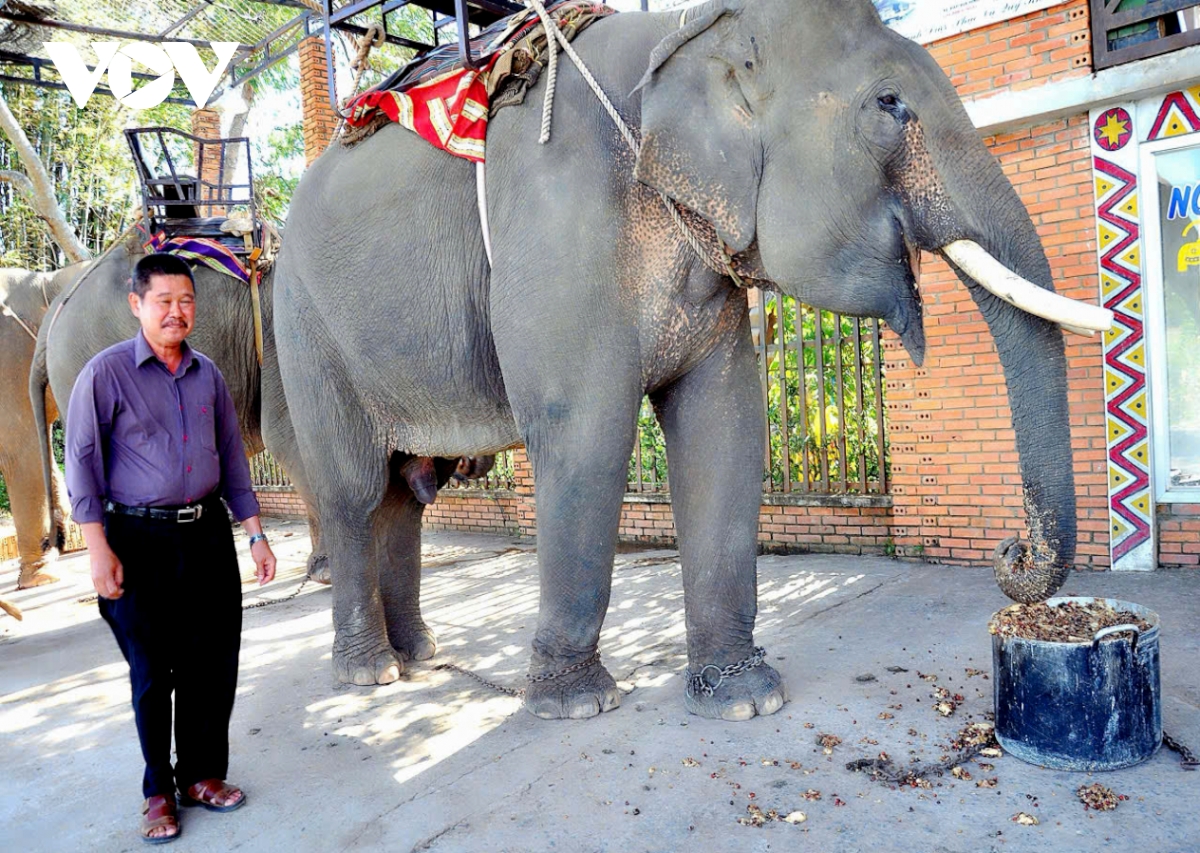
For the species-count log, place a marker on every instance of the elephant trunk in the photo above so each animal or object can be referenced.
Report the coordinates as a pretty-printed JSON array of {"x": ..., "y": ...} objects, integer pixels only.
[{"x": 1032, "y": 352}]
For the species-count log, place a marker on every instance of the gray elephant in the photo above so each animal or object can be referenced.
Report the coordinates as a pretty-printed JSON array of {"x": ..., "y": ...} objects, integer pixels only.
[
  {"x": 822, "y": 148},
  {"x": 24, "y": 298}
]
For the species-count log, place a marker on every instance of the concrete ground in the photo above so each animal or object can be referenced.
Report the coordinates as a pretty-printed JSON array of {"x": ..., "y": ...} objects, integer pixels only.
[{"x": 438, "y": 762}]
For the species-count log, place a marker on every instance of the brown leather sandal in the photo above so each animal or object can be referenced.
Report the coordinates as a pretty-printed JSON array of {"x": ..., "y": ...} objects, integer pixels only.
[
  {"x": 159, "y": 811},
  {"x": 206, "y": 791}
]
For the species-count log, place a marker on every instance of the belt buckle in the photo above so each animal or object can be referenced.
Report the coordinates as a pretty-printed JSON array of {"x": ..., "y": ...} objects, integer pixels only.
[{"x": 188, "y": 515}]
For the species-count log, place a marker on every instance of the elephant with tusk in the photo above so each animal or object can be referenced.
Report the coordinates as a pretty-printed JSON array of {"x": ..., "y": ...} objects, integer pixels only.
[{"x": 819, "y": 147}]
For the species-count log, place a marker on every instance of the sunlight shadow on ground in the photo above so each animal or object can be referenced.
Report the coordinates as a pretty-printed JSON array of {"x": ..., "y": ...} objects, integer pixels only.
[{"x": 480, "y": 599}]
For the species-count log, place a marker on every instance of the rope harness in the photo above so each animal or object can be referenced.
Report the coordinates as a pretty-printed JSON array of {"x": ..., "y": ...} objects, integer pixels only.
[
  {"x": 720, "y": 261},
  {"x": 375, "y": 36},
  {"x": 8, "y": 312}
]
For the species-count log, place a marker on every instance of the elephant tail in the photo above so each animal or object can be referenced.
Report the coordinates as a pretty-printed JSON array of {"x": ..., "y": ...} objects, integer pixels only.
[{"x": 39, "y": 385}]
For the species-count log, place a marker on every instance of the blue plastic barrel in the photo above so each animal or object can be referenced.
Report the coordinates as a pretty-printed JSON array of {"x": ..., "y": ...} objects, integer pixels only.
[{"x": 1091, "y": 705}]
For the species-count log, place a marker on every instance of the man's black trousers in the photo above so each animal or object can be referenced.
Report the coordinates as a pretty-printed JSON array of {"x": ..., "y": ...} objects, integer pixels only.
[{"x": 179, "y": 625}]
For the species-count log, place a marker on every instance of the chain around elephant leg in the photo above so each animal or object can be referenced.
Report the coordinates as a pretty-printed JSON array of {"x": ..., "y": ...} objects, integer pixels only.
[
  {"x": 574, "y": 690},
  {"x": 738, "y": 691}
]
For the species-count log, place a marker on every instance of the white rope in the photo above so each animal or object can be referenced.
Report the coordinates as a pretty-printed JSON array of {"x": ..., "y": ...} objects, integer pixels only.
[
  {"x": 551, "y": 82},
  {"x": 8, "y": 312},
  {"x": 553, "y": 34}
]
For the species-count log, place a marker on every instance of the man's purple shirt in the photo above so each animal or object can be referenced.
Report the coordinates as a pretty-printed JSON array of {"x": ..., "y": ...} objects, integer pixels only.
[{"x": 141, "y": 436}]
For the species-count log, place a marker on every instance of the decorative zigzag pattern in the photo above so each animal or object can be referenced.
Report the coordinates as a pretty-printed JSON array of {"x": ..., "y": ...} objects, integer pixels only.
[
  {"x": 1177, "y": 115},
  {"x": 1125, "y": 362}
]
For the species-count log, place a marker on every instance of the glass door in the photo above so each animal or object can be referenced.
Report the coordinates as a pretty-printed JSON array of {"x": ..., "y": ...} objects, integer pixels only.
[{"x": 1171, "y": 177}]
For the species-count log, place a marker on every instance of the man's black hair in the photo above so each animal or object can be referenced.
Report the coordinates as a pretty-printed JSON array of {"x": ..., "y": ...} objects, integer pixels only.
[{"x": 159, "y": 264}]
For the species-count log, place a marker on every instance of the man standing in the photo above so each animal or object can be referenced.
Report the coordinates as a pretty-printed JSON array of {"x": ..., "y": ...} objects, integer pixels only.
[{"x": 153, "y": 443}]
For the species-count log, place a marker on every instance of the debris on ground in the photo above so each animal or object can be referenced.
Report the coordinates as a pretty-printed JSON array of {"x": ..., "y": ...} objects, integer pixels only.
[
  {"x": 1025, "y": 819},
  {"x": 755, "y": 816},
  {"x": 974, "y": 739},
  {"x": 1099, "y": 798},
  {"x": 1069, "y": 622},
  {"x": 827, "y": 742},
  {"x": 690, "y": 762},
  {"x": 976, "y": 734}
]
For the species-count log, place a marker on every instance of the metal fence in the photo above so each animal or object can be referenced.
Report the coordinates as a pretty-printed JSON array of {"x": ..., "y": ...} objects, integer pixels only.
[
  {"x": 266, "y": 472},
  {"x": 823, "y": 395},
  {"x": 822, "y": 381}
]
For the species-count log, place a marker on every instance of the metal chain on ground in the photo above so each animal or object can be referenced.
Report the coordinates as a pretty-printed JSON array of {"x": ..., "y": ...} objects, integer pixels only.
[
  {"x": 266, "y": 602},
  {"x": 724, "y": 265},
  {"x": 885, "y": 770},
  {"x": 697, "y": 684},
  {"x": 1187, "y": 759},
  {"x": 499, "y": 688},
  {"x": 532, "y": 679}
]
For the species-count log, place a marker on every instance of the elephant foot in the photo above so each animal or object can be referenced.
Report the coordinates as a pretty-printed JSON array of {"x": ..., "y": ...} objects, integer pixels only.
[
  {"x": 413, "y": 639},
  {"x": 318, "y": 569},
  {"x": 577, "y": 695},
  {"x": 374, "y": 665},
  {"x": 28, "y": 579},
  {"x": 758, "y": 691}
]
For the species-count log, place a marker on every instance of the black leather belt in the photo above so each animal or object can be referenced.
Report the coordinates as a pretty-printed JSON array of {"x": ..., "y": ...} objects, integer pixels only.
[{"x": 179, "y": 515}]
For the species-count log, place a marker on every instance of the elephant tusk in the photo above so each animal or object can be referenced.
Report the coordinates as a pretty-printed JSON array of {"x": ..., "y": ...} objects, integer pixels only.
[{"x": 1073, "y": 315}]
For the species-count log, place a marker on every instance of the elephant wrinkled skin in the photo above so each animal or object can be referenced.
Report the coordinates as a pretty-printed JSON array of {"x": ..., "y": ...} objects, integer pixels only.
[{"x": 820, "y": 146}]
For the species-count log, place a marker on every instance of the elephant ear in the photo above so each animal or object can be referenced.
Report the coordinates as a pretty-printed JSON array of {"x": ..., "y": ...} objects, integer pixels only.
[{"x": 699, "y": 139}]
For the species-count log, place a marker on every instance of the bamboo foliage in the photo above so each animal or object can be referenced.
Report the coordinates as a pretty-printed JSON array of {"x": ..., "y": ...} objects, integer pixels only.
[{"x": 88, "y": 166}]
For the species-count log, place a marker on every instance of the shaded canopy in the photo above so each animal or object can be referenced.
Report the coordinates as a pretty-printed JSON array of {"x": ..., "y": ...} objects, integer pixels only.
[{"x": 267, "y": 30}]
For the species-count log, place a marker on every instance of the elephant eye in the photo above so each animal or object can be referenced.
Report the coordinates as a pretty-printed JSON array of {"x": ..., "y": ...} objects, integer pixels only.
[{"x": 888, "y": 100}]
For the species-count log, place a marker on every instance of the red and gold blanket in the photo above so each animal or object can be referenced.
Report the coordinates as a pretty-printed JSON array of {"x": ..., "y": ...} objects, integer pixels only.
[{"x": 448, "y": 105}]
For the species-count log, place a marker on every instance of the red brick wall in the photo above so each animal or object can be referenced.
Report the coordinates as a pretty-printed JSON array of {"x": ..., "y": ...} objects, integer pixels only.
[
  {"x": 319, "y": 118},
  {"x": 476, "y": 511},
  {"x": 1179, "y": 535},
  {"x": 954, "y": 460},
  {"x": 206, "y": 123},
  {"x": 280, "y": 502},
  {"x": 836, "y": 528},
  {"x": 1020, "y": 53}
]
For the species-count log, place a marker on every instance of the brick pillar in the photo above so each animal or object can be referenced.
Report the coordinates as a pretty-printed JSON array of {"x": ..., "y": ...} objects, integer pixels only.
[
  {"x": 900, "y": 374},
  {"x": 206, "y": 123},
  {"x": 320, "y": 120},
  {"x": 523, "y": 486}
]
